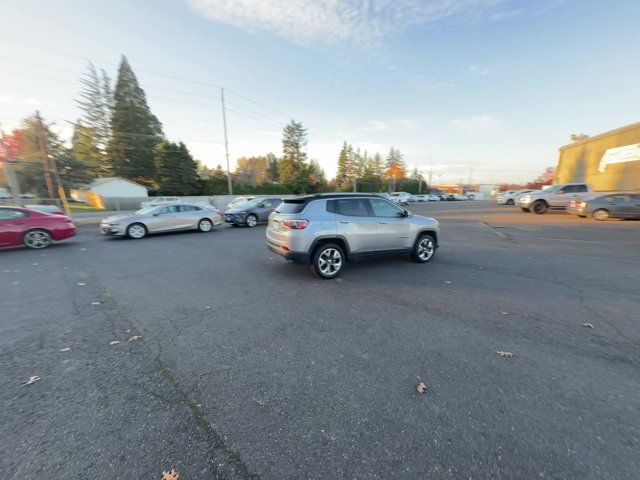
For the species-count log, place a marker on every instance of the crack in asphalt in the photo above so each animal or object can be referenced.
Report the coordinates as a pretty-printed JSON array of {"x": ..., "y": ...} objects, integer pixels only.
[{"x": 224, "y": 462}]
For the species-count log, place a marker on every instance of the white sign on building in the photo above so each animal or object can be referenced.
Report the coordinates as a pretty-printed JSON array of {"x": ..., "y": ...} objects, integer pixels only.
[{"x": 626, "y": 153}]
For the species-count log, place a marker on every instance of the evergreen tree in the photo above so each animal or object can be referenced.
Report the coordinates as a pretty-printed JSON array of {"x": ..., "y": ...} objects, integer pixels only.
[
  {"x": 344, "y": 160},
  {"x": 92, "y": 131},
  {"x": 135, "y": 131},
  {"x": 377, "y": 166},
  {"x": 293, "y": 162},
  {"x": 273, "y": 169},
  {"x": 394, "y": 162},
  {"x": 177, "y": 171}
]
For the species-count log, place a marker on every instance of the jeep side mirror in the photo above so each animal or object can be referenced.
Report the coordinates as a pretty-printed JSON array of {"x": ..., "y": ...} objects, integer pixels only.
[{"x": 405, "y": 213}]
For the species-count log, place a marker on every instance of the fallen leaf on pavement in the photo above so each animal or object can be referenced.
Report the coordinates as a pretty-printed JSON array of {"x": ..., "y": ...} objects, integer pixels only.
[
  {"x": 32, "y": 380},
  {"x": 65, "y": 350},
  {"x": 170, "y": 475},
  {"x": 422, "y": 388},
  {"x": 448, "y": 282},
  {"x": 15, "y": 283},
  {"x": 136, "y": 338},
  {"x": 588, "y": 325},
  {"x": 505, "y": 354},
  {"x": 82, "y": 249},
  {"x": 95, "y": 303},
  {"x": 208, "y": 307},
  {"x": 81, "y": 284},
  {"x": 115, "y": 342},
  {"x": 503, "y": 313},
  {"x": 34, "y": 264},
  {"x": 128, "y": 330}
]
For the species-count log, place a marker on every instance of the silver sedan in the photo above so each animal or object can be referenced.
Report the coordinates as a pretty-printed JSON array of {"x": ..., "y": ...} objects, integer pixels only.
[{"x": 163, "y": 218}]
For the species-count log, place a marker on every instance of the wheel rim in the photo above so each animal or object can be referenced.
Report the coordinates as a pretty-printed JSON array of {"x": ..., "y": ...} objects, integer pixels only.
[
  {"x": 601, "y": 214},
  {"x": 425, "y": 249},
  {"x": 137, "y": 231},
  {"x": 205, "y": 225},
  {"x": 251, "y": 221},
  {"x": 37, "y": 239},
  {"x": 330, "y": 262},
  {"x": 538, "y": 208}
]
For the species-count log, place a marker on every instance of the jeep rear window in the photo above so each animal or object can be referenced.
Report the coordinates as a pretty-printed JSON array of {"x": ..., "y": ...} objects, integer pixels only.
[{"x": 291, "y": 206}]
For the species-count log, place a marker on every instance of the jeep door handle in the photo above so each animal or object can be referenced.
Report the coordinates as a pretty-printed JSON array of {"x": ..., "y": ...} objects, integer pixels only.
[{"x": 344, "y": 222}]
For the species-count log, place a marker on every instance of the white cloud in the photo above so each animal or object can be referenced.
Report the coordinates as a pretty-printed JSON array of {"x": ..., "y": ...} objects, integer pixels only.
[
  {"x": 307, "y": 22},
  {"x": 478, "y": 123}
]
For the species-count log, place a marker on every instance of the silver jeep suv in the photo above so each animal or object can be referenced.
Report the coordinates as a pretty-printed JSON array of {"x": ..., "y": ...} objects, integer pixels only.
[{"x": 328, "y": 229}]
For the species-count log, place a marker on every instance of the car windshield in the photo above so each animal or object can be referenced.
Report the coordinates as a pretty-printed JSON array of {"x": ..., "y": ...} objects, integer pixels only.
[{"x": 145, "y": 210}]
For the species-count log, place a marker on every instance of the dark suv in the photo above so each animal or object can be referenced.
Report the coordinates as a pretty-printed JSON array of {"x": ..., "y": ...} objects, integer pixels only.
[{"x": 326, "y": 230}]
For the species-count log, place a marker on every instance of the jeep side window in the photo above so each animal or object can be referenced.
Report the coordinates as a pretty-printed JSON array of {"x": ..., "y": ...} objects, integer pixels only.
[
  {"x": 382, "y": 208},
  {"x": 353, "y": 207},
  {"x": 579, "y": 188}
]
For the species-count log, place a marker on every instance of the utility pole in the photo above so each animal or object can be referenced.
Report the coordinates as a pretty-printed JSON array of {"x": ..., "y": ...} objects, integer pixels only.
[
  {"x": 50, "y": 168},
  {"x": 42, "y": 144},
  {"x": 226, "y": 143},
  {"x": 430, "y": 176}
]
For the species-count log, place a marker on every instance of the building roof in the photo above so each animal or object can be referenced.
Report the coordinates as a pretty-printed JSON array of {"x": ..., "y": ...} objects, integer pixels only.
[{"x": 102, "y": 180}]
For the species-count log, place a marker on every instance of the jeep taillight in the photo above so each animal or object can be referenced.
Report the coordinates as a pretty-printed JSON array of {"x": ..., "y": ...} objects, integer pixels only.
[{"x": 295, "y": 224}]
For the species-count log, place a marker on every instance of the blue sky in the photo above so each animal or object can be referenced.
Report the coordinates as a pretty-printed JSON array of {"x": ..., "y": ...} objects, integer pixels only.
[{"x": 490, "y": 88}]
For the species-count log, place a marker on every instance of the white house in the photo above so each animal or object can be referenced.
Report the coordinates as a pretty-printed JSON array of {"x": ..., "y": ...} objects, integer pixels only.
[{"x": 117, "y": 187}]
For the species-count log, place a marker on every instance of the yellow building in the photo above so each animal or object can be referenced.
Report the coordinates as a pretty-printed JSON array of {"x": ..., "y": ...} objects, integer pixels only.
[{"x": 609, "y": 161}]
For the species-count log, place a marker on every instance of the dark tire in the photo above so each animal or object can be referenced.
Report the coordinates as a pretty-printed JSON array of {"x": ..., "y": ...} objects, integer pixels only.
[
  {"x": 328, "y": 261},
  {"x": 540, "y": 207},
  {"x": 424, "y": 249},
  {"x": 137, "y": 231},
  {"x": 235, "y": 225},
  {"x": 601, "y": 214},
  {"x": 37, "y": 239},
  {"x": 205, "y": 225},
  {"x": 251, "y": 220},
  {"x": 511, "y": 202},
  {"x": 525, "y": 209}
]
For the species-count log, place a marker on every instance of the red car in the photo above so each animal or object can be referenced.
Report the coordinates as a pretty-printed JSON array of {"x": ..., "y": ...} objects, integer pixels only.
[{"x": 22, "y": 226}]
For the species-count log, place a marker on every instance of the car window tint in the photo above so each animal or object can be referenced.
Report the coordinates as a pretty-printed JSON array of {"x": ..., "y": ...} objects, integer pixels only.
[
  {"x": 293, "y": 206},
  {"x": 618, "y": 198},
  {"x": 8, "y": 214},
  {"x": 579, "y": 188},
  {"x": 353, "y": 207},
  {"x": 187, "y": 208},
  {"x": 382, "y": 208}
]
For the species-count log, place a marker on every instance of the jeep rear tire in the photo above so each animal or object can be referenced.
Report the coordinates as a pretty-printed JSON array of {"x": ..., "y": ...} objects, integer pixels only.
[{"x": 328, "y": 261}]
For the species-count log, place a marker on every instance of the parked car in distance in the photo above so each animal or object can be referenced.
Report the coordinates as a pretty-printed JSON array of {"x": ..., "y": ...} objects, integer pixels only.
[
  {"x": 251, "y": 212},
  {"x": 460, "y": 196},
  {"x": 327, "y": 230},
  {"x": 603, "y": 207},
  {"x": 162, "y": 218},
  {"x": 160, "y": 201},
  {"x": 420, "y": 198},
  {"x": 33, "y": 229},
  {"x": 434, "y": 198},
  {"x": 556, "y": 197},
  {"x": 238, "y": 201},
  {"x": 51, "y": 209},
  {"x": 506, "y": 198},
  {"x": 401, "y": 198}
]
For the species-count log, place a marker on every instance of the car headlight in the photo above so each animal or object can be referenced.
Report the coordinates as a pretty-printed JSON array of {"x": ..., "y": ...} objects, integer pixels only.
[{"x": 525, "y": 198}]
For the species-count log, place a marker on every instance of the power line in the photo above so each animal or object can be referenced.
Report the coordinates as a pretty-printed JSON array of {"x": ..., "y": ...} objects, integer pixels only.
[{"x": 195, "y": 82}]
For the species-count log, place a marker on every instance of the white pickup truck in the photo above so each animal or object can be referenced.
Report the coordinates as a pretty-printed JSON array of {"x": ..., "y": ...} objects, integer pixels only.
[{"x": 556, "y": 197}]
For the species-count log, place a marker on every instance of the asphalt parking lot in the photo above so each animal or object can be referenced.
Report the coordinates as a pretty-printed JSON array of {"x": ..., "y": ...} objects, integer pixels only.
[{"x": 250, "y": 367}]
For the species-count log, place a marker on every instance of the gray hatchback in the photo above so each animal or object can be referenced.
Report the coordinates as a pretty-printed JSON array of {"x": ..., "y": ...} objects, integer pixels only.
[{"x": 327, "y": 230}]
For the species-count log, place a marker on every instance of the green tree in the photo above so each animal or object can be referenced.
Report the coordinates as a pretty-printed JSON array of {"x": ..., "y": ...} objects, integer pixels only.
[
  {"x": 273, "y": 169},
  {"x": 92, "y": 131},
  {"x": 253, "y": 169},
  {"x": 344, "y": 162},
  {"x": 294, "y": 158},
  {"x": 395, "y": 163},
  {"x": 177, "y": 171},
  {"x": 135, "y": 131}
]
